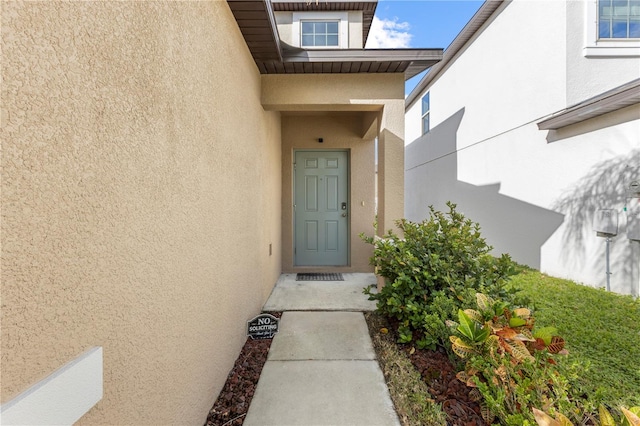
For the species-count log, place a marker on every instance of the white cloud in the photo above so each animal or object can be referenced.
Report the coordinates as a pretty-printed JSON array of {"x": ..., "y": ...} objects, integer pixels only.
[{"x": 389, "y": 34}]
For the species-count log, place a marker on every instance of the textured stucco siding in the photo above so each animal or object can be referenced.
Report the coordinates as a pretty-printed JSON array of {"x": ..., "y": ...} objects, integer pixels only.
[
  {"x": 590, "y": 76},
  {"x": 413, "y": 121},
  {"x": 355, "y": 30},
  {"x": 332, "y": 92},
  {"x": 140, "y": 192},
  {"x": 284, "y": 21},
  {"x": 351, "y": 101},
  {"x": 533, "y": 192},
  {"x": 339, "y": 132}
]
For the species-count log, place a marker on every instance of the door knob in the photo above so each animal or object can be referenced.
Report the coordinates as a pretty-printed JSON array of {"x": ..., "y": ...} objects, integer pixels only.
[{"x": 344, "y": 214}]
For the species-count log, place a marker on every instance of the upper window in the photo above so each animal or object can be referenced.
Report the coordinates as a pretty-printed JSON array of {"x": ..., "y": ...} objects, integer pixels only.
[
  {"x": 319, "y": 33},
  {"x": 618, "y": 19},
  {"x": 425, "y": 114},
  {"x": 612, "y": 28},
  {"x": 320, "y": 30}
]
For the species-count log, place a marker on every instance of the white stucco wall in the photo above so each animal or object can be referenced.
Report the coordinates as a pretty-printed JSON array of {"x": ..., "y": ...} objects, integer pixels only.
[
  {"x": 355, "y": 29},
  {"x": 497, "y": 70},
  {"x": 533, "y": 192},
  {"x": 587, "y": 75},
  {"x": 284, "y": 21},
  {"x": 412, "y": 123}
]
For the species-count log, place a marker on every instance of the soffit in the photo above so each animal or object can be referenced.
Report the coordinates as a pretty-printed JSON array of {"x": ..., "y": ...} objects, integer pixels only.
[
  {"x": 300, "y": 61},
  {"x": 328, "y": 113},
  {"x": 368, "y": 8},
  {"x": 257, "y": 24},
  {"x": 623, "y": 96}
]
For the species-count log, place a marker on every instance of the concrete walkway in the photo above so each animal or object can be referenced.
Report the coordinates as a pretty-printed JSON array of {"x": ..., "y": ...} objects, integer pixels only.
[
  {"x": 321, "y": 368},
  {"x": 291, "y": 295}
]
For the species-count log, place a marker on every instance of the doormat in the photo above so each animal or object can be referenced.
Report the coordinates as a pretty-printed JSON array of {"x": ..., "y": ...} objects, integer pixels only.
[{"x": 322, "y": 276}]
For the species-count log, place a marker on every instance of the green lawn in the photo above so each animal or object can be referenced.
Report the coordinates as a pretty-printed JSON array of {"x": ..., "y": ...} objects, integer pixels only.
[{"x": 601, "y": 329}]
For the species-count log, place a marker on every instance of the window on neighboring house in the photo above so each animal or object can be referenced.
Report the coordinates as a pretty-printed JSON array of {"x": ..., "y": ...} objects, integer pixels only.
[
  {"x": 319, "y": 33},
  {"x": 612, "y": 28},
  {"x": 618, "y": 19},
  {"x": 425, "y": 114}
]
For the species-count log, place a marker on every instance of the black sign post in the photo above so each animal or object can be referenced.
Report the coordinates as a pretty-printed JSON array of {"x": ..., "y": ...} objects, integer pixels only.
[{"x": 264, "y": 326}]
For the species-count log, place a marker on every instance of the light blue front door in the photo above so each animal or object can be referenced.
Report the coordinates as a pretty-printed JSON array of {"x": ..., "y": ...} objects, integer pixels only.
[{"x": 321, "y": 210}]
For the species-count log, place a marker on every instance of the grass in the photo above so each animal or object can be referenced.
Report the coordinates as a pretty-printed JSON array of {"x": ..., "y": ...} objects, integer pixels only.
[
  {"x": 408, "y": 391},
  {"x": 602, "y": 331}
]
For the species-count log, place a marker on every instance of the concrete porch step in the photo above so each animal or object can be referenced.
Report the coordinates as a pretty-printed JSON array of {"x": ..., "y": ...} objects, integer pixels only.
[{"x": 291, "y": 295}]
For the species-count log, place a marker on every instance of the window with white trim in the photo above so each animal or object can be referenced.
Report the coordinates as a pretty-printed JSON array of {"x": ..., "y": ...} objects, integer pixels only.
[
  {"x": 612, "y": 28},
  {"x": 320, "y": 30},
  {"x": 319, "y": 34},
  {"x": 618, "y": 19},
  {"x": 425, "y": 114}
]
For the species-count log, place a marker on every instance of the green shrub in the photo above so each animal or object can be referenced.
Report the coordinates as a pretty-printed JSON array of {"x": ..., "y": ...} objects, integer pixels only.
[{"x": 432, "y": 270}]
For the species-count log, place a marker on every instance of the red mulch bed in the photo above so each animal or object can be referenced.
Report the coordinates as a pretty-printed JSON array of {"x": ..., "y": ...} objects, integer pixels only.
[
  {"x": 435, "y": 367},
  {"x": 233, "y": 402},
  {"x": 439, "y": 374}
]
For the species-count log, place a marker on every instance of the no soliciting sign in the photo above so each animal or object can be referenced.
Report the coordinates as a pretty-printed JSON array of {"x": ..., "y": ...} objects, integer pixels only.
[{"x": 264, "y": 326}]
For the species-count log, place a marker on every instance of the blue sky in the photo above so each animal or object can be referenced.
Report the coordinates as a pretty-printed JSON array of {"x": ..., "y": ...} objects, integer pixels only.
[{"x": 419, "y": 23}]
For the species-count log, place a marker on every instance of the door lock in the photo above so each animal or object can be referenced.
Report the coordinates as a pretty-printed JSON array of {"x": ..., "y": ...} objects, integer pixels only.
[{"x": 344, "y": 206}]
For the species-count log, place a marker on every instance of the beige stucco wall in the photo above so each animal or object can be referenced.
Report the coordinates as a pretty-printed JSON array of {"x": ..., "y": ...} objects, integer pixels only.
[
  {"x": 333, "y": 92},
  {"x": 141, "y": 189},
  {"x": 371, "y": 105},
  {"x": 340, "y": 131},
  {"x": 391, "y": 167}
]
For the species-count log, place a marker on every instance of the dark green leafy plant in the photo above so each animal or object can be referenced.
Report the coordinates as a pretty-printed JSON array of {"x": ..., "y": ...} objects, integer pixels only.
[
  {"x": 432, "y": 270},
  {"x": 473, "y": 330}
]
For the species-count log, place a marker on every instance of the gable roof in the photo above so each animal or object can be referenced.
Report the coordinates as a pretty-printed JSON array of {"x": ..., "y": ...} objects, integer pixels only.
[
  {"x": 617, "y": 98},
  {"x": 468, "y": 32},
  {"x": 257, "y": 23}
]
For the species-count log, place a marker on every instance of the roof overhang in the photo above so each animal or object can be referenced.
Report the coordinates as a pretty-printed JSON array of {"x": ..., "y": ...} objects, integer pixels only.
[
  {"x": 623, "y": 96},
  {"x": 257, "y": 24},
  {"x": 474, "y": 25},
  {"x": 301, "y": 61},
  {"x": 368, "y": 8}
]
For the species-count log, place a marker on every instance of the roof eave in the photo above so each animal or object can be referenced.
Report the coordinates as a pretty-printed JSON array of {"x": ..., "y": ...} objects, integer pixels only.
[
  {"x": 612, "y": 100},
  {"x": 332, "y": 55},
  {"x": 411, "y": 61},
  {"x": 483, "y": 14},
  {"x": 257, "y": 23}
]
